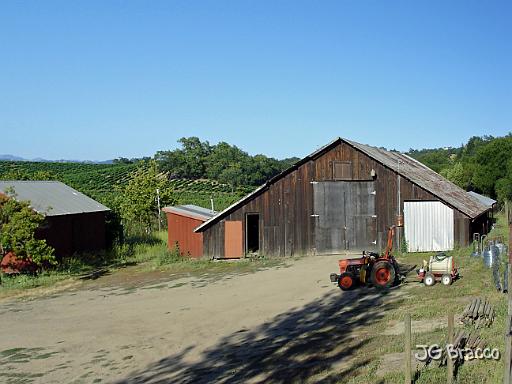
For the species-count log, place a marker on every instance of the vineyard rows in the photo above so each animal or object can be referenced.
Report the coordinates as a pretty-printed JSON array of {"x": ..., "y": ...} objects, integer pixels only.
[{"x": 100, "y": 180}]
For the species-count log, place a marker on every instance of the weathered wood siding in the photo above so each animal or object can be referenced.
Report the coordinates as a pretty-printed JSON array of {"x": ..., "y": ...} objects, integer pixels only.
[{"x": 285, "y": 208}]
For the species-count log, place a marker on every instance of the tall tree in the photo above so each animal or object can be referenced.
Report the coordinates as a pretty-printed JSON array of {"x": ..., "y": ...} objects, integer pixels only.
[
  {"x": 188, "y": 162},
  {"x": 137, "y": 201},
  {"x": 491, "y": 162}
]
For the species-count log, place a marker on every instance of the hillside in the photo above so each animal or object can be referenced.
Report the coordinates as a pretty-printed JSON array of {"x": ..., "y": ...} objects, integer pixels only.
[
  {"x": 100, "y": 181},
  {"x": 198, "y": 171},
  {"x": 483, "y": 164}
]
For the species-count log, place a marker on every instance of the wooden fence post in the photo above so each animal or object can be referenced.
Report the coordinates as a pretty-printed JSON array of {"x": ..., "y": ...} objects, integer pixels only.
[
  {"x": 507, "y": 375},
  {"x": 407, "y": 349},
  {"x": 449, "y": 361},
  {"x": 507, "y": 356}
]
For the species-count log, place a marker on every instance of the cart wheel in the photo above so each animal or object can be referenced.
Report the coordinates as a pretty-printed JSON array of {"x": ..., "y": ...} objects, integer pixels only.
[
  {"x": 446, "y": 279},
  {"x": 346, "y": 281},
  {"x": 429, "y": 279}
]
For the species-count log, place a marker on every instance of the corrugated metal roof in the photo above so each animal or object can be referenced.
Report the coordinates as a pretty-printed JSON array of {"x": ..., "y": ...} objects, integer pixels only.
[
  {"x": 487, "y": 201},
  {"x": 52, "y": 198},
  {"x": 192, "y": 211},
  {"x": 410, "y": 168},
  {"x": 424, "y": 177}
]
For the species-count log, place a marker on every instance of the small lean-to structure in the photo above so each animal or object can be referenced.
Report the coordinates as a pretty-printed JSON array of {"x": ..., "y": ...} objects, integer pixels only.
[{"x": 181, "y": 222}]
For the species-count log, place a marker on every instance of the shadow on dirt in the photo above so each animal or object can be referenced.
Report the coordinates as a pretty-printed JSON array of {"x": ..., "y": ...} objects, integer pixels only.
[{"x": 322, "y": 339}]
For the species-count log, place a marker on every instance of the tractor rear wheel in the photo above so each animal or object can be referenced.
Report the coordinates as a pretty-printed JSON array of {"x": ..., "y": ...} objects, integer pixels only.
[
  {"x": 346, "y": 281},
  {"x": 383, "y": 274}
]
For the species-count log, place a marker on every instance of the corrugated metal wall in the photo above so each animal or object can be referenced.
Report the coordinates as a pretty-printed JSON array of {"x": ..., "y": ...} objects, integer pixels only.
[
  {"x": 180, "y": 230},
  {"x": 428, "y": 226}
]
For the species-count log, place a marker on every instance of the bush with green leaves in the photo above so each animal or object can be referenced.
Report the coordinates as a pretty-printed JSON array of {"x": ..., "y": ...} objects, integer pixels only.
[
  {"x": 137, "y": 200},
  {"x": 18, "y": 225}
]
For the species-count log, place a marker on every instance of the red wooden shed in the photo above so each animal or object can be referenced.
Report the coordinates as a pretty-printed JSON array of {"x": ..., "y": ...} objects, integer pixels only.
[
  {"x": 74, "y": 223},
  {"x": 181, "y": 222}
]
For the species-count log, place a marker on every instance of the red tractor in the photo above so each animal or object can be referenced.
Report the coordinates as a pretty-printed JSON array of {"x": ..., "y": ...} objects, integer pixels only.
[{"x": 371, "y": 268}]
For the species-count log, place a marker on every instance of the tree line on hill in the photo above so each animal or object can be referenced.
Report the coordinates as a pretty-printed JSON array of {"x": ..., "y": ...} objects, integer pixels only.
[
  {"x": 483, "y": 165},
  {"x": 222, "y": 162}
]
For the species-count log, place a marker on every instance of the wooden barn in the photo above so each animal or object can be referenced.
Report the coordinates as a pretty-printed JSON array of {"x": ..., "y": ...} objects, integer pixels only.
[
  {"x": 342, "y": 198},
  {"x": 74, "y": 222}
]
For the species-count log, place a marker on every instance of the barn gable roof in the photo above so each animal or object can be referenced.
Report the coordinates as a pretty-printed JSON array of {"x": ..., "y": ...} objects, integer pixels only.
[
  {"x": 406, "y": 166},
  {"x": 425, "y": 178},
  {"x": 52, "y": 198}
]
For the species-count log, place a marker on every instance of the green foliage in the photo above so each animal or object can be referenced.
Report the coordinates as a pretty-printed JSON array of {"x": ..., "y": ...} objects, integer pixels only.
[
  {"x": 458, "y": 174},
  {"x": 436, "y": 159},
  {"x": 503, "y": 189},
  {"x": 95, "y": 180},
  {"x": 106, "y": 182},
  {"x": 188, "y": 162},
  {"x": 222, "y": 162},
  {"x": 18, "y": 225},
  {"x": 404, "y": 245},
  {"x": 137, "y": 200},
  {"x": 493, "y": 162},
  {"x": 484, "y": 165}
]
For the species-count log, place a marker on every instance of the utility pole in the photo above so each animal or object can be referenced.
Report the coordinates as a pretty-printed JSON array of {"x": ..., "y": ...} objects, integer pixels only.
[
  {"x": 398, "y": 210},
  {"x": 158, "y": 203}
]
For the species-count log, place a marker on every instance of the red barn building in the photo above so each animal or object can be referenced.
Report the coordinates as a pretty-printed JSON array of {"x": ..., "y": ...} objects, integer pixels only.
[
  {"x": 181, "y": 222},
  {"x": 74, "y": 222}
]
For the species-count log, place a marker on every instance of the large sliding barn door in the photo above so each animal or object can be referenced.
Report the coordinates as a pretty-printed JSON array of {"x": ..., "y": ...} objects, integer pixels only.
[{"x": 345, "y": 216}]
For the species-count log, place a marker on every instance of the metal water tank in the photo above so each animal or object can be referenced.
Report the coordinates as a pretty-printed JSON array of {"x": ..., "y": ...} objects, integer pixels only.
[
  {"x": 491, "y": 256},
  {"x": 503, "y": 250},
  {"x": 440, "y": 263}
]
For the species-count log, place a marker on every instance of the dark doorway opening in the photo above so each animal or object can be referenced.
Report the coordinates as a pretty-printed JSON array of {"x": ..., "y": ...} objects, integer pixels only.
[{"x": 252, "y": 229}]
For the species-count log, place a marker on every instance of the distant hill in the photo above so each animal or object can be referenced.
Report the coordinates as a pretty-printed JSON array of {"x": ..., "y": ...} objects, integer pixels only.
[
  {"x": 8, "y": 157},
  {"x": 11, "y": 158}
]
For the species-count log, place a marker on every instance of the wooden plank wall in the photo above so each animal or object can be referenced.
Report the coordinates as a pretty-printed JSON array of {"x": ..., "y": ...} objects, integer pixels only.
[
  {"x": 180, "y": 230},
  {"x": 285, "y": 208}
]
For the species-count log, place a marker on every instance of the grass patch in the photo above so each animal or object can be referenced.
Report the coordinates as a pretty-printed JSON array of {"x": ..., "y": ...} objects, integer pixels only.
[
  {"x": 16, "y": 283},
  {"x": 431, "y": 303}
]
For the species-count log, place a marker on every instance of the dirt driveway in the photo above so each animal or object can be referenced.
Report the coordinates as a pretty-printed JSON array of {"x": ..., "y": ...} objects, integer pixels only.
[{"x": 281, "y": 324}]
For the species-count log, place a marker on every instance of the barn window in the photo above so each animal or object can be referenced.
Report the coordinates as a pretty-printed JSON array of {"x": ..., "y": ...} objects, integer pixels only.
[{"x": 342, "y": 170}]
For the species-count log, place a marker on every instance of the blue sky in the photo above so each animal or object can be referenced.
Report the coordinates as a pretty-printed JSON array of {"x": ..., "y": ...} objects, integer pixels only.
[{"x": 102, "y": 79}]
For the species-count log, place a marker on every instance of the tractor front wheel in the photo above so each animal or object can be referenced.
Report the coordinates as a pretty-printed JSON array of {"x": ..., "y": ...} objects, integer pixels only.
[
  {"x": 346, "y": 281},
  {"x": 383, "y": 274}
]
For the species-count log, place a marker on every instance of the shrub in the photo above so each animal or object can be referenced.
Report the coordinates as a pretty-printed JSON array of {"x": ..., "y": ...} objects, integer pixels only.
[{"x": 18, "y": 224}]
